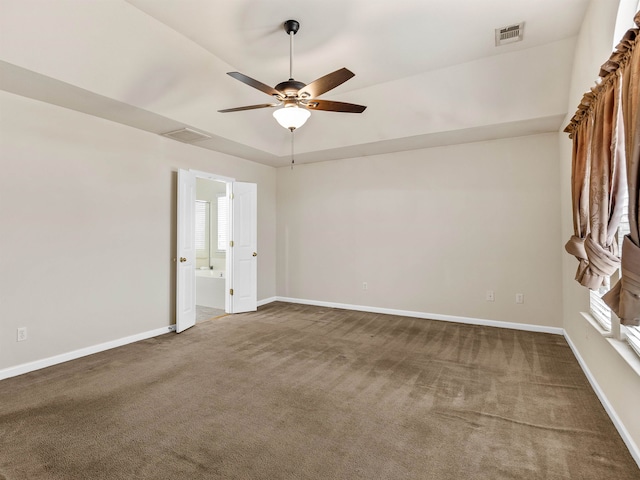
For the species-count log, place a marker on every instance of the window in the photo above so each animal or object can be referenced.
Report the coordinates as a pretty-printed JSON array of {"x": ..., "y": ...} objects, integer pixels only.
[
  {"x": 631, "y": 333},
  {"x": 601, "y": 312},
  {"x": 223, "y": 223},
  {"x": 202, "y": 229},
  {"x": 625, "y": 14},
  {"x": 633, "y": 337}
]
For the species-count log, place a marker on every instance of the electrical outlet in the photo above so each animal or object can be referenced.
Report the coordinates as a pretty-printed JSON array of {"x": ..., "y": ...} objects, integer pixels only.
[
  {"x": 365, "y": 286},
  {"x": 22, "y": 334},
  {"x": 490, "y": 296},
  {"x": 519, "y": 297}
]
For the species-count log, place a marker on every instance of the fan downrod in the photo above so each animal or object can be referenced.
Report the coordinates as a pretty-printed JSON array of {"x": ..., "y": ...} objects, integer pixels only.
[{"x": 291, "y": 26}]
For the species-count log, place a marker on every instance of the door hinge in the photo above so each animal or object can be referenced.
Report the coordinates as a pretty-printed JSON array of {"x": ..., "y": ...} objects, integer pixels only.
[
  {"x": 231, "y": 196},
  {"x": 231, "y": 243},
  {"x": 231, "y": 291}
]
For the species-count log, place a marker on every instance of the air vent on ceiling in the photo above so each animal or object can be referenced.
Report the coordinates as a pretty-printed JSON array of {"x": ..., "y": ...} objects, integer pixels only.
[
  {"x": 186, "y": 135},
  {"x": 509, "y": 34}
]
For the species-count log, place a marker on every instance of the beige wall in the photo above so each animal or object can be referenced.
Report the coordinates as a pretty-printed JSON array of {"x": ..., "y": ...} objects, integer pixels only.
[
  {"x": 428, "y": 230},
  {"x": 87, "y": 227},
  {"x": 618, "y": 381}
]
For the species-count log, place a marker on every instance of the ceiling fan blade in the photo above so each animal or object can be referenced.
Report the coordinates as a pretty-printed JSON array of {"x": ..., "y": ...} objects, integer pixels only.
[
  {"x": 254, "y": 83},
  {"x": 249, "y": 107},
  {"x": 326, "y": 83},
  {"x": 331, "y": 106}
]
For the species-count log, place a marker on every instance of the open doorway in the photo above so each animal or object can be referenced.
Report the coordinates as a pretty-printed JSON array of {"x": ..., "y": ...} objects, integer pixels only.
[
  {"x": 194, "y": 262},
  {"x": 212, "y": 243}
]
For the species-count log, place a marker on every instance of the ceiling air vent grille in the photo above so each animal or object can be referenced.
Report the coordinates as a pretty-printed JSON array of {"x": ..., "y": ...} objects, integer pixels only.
[
  {"x": 509, "y": 34},
  {"x": 186, "y": 135}
]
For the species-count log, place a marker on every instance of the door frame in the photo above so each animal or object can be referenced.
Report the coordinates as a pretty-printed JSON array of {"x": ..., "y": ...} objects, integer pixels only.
[
  {"x": 230, "y": 264},
  {"x": 228, "y": 274}
]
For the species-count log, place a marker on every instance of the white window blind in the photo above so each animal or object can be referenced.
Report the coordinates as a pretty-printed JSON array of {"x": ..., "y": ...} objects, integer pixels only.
[
  {"x": 599, "y": 310},
  {"x": 223, "y": 223},
  {"x": 633, "y": 337},
  {"x": 202, "y": 228},
  {"x": 632, "y": 333}
]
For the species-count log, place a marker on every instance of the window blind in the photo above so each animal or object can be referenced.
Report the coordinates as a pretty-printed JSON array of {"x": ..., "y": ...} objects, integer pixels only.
[
  {"x": 633, "y": 337},
  {"x": 223, "y": 222},
  {"x": 600, "y": 310},
  {"x": 202, "y": 228}
]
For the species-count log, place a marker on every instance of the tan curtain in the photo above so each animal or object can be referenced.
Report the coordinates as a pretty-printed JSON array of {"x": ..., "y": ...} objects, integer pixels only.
[
  {"x": 599, "y": 167},
  {"x": 580, "y": 167},
  {"x": 607, "y": 187},
  {"x": 624, "y": 297}
]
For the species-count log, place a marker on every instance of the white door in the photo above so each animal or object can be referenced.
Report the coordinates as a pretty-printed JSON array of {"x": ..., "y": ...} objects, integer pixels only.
[
  {"x": 244, "y": 234},
  {"x": 186, "y": 252}
]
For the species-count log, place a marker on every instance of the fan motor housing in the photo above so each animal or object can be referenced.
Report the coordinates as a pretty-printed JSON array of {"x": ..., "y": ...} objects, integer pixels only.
[{"x": 290, "y": 87}]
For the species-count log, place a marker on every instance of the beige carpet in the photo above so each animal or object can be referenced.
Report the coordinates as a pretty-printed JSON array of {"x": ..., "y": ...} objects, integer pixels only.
[{"x": 298, "y": 392}]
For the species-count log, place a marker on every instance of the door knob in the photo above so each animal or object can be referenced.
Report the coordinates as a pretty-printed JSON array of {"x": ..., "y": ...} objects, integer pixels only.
[
  {"x": 182, "y": 259},
  {"x": 255, "y": 254}
]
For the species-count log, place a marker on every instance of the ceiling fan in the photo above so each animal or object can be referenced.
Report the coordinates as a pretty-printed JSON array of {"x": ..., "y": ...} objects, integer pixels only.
[{"x": 297, "y": 98}]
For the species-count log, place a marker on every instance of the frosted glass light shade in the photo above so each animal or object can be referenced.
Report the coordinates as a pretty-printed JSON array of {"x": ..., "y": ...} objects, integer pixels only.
[{"x": 291, "y": 117}]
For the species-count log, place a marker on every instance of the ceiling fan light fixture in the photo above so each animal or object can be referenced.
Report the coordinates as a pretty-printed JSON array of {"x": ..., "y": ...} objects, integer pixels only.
[
  {"x": 291, "y": 117},
  {"x": 296, "y": 97}
]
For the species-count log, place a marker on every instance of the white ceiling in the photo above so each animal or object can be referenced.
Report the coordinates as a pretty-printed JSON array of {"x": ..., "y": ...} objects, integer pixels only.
[
  {"x": 379, "y": 40},
  {"x": 428, "y": 70}
]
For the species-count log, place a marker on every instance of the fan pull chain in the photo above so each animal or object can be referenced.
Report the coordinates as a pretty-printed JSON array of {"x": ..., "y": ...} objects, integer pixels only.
[{"x": 292, "y": 160}]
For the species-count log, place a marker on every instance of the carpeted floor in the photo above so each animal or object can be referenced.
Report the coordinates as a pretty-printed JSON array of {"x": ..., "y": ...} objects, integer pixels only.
[{"x": 300, "y": 392}]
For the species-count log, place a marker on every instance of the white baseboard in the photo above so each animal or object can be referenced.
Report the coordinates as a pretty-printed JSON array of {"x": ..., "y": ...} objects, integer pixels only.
[
  {"x": 82, "y": 352},
  {"x": 430, "y": 316},
  {"x": 264, "y": 301},
  {"x": 626, "y": 438}
]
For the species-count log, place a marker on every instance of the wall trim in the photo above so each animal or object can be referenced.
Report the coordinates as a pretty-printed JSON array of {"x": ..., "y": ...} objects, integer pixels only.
[
  {"x": 626, "y": 438},
  {"x": 429, "y": 316},
  {"x": 82, "y": 352},
  {"x": 264, "y": 301}
]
